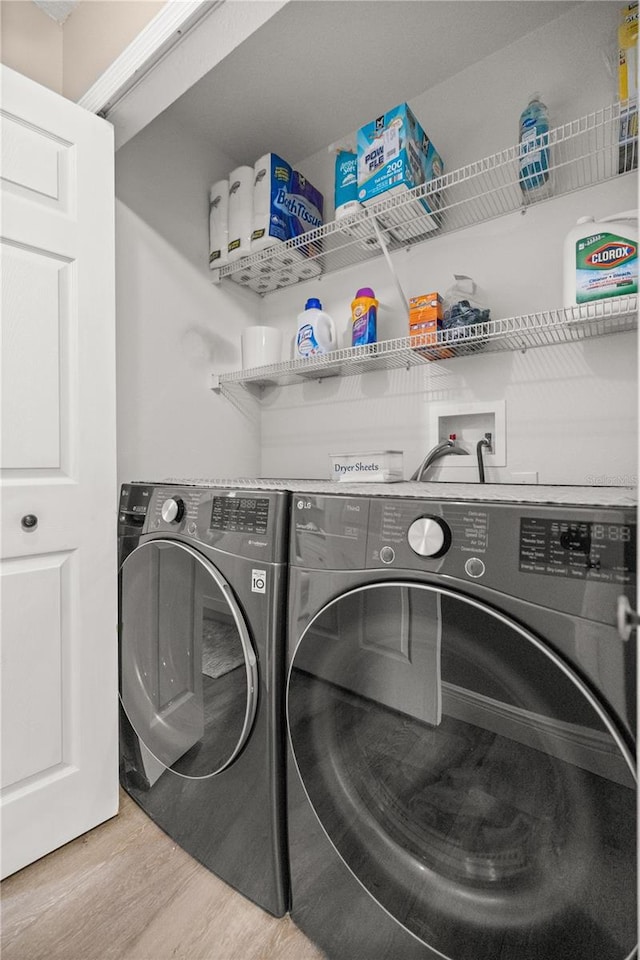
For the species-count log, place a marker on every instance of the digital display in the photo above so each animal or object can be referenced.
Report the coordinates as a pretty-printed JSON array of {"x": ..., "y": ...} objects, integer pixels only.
[
  {"x": 579, "y": 551},
  {"x": 240, "y": 514}
]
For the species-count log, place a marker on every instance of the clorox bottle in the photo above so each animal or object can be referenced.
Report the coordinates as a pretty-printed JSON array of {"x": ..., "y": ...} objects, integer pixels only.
[
  {"x": 316, "y": 331},
  {"x": 601, "y": 259}
]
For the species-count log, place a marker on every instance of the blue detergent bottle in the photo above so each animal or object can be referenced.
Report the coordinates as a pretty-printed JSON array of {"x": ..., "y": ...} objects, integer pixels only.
[{"x": 534, "y": 158}]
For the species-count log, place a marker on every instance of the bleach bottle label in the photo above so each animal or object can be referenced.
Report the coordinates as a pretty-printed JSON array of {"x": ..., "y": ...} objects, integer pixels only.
[{"x": 606, "y": 266}]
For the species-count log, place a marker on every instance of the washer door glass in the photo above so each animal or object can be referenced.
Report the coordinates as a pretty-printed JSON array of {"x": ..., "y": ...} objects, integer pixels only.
[
  {"x": 188, "y": 673},
  {"x": 466, "y": 776}
]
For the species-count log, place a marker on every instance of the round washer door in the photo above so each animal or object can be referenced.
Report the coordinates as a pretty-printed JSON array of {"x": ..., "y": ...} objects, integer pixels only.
[
  {"x": 469, "y": 780},
  {"x": 188, "y": 671}
]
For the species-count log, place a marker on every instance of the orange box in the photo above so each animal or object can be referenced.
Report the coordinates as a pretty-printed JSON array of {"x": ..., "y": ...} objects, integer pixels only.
[
  {"x": 425, "y": 308},
  {"x": 428, "y": 335},
  {"x": 425, "y": 321}
]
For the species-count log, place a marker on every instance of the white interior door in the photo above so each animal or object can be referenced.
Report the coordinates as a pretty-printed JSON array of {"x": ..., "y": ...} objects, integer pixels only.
[{"x": 59, "y": 755}]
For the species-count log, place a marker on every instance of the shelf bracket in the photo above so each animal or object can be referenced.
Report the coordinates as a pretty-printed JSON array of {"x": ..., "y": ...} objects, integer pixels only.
[{"x": 385, "y": 250}]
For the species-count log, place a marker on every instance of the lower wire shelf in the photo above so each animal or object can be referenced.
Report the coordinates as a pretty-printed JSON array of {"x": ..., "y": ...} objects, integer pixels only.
[{"x": 569, "y": 325}]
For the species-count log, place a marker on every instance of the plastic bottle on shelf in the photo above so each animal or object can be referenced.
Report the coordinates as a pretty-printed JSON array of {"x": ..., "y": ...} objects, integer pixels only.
[
  {"x": 316, "y": 331},
  {"x": 534, "y": 159},
  {"x": 364, "y": 315},
  {"x": 601, "y": 258}
]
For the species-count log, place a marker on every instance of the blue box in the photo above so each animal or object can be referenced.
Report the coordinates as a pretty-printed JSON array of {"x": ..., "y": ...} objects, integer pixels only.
[{"x": 396, "y": 155}]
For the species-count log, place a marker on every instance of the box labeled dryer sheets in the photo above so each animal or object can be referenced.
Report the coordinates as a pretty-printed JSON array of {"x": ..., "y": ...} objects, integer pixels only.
[
  {"x": 394, "y": 156},
  {"x": 383, "y": 467}
]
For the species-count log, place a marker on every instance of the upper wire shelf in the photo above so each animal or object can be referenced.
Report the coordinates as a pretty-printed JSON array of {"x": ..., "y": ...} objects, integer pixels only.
[
  {"x": 584, "y": 152},
  {"x": 569, "y": 325}
]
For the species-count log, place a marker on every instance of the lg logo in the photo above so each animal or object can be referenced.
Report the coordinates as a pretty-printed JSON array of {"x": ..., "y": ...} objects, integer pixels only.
[
  {"x": 258, "y": 581},
  {"x": 304, "y": 504}
]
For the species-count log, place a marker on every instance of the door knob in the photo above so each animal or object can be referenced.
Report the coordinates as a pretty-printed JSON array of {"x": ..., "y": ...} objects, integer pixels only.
[
  {"x": 29, "y": 521},
  {"x": 627, "y": 618}
]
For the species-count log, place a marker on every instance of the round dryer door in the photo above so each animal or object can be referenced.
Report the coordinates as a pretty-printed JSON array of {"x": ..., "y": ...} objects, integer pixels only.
[
  {"x": 466, "y": 776},
  {"x": 188, "y": 671}
]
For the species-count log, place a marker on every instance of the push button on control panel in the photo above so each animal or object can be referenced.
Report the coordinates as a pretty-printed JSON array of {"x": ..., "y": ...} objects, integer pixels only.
[
  {"x": 475, "y": 567},
  {"x": 387, "y": 554}
]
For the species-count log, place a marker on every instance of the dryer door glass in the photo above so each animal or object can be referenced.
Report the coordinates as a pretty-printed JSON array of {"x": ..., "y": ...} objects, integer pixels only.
[
  {"x": 466, "y": 776},
  {"x": 188, "y": 681}
]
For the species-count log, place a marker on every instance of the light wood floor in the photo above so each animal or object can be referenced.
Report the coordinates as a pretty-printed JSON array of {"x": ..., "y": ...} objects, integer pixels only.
[{"x": 126, "y": 891}]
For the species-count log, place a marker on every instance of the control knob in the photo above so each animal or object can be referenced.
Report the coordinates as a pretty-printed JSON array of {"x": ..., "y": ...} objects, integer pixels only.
[
  {"x": 429, "y": 537},
  {"x": 172, "y": 510}
]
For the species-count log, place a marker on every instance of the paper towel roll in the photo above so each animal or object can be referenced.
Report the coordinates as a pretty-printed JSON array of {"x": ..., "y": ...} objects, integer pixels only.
[
  {"x": 289, "y": 259},
  {"x": 218, "y": 224},
  {"x": 263, "y": 284},
  {"x": 285, "y": 278},
  {"x": 309, "y": 269},
  {"x": 240, "y": 212},
  {"x": 242, "y": 277}
]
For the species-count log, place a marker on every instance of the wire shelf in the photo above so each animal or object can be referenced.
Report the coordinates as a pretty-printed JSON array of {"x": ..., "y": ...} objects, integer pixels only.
[
  {"x": 584, "y": 152},
  {"x": 570, "y": 325}
]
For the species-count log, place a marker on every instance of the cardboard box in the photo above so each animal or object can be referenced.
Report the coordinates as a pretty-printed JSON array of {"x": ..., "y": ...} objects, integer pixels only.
[
  {"x": 628, "y": 86},
  {"x": 425, "y": 322},
  {"x": 425, "y": 308},
  {"x": 426, "y": 337},
  {"x": 383, "y": 467},
  {"x": 394, "y": 156},
  {"x": 628, "y": 52}
]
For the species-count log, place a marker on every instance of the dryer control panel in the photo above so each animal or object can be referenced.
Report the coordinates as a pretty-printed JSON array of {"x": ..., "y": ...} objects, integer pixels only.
[
  {"x": 250, "y": 524},
  {"x": 586, "y": 550},
  {"x": 572, "y": 559}
]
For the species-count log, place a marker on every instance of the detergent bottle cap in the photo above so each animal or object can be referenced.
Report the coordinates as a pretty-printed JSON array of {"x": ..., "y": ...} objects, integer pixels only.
[
  {"x": 313, "y": 303},
  {"x": 366, "y": 292}
]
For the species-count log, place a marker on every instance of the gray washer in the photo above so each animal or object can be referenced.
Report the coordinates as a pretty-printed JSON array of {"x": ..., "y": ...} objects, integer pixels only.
[
  {"x": 461, "y": 724},
  {"x": 202, "y": 646}
]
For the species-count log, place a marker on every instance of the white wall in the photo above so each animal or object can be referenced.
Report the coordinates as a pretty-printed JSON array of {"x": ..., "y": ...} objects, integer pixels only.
[
  {"x": 173, "y": 326},
  {"x": 31, "y": 43},
  {"x": 69, "y": 57},
  {"x": 96, "y": 34},
  {"x": 571, "y": 410}
]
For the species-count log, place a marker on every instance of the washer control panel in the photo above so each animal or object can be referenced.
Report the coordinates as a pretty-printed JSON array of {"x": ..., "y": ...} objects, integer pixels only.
[
  {"x": 578, "y": 549},
  {"x": 515, "y": 549}
]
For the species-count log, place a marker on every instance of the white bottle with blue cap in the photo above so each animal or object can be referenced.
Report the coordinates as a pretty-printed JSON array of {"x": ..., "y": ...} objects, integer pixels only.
[{"x": 316, "y": 331}]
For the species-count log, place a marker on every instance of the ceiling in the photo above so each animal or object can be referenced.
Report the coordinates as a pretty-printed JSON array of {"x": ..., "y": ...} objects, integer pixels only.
[
  {"x": 58, "y": 10},
  {"x": 350, "y": 49}
]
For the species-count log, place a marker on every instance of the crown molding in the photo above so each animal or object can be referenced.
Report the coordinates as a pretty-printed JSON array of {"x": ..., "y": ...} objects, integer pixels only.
[{"x": 168, "y": 28}]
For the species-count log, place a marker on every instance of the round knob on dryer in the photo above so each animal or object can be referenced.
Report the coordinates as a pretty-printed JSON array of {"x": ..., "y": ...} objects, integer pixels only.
[
  {"x": 429, "y": 537},
  {"x": 172, "y": 510}
]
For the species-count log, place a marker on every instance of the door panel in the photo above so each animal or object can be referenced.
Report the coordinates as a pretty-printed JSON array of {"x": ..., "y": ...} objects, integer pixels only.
[
  {"x": 34, "y": 662},
  {"x": 59, "y": 611},
  {"x": 32, "y": 338}
]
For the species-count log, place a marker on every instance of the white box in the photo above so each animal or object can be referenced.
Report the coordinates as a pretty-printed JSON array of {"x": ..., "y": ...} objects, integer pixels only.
[{"x": 382, "y": 467}]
